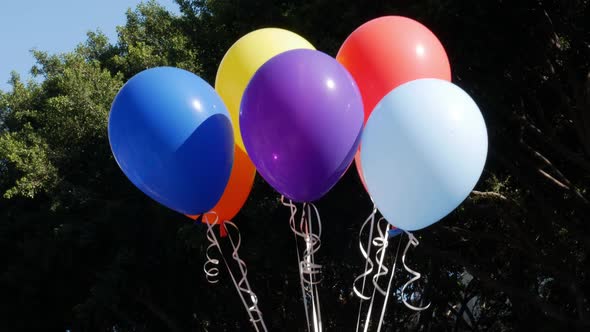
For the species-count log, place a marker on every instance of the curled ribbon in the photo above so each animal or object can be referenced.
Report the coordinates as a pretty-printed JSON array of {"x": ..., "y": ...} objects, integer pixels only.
[
  {"x": 211, "y": 266},
  {"x": 312, "y": 244},
  {"x": 366, "y": 254},
  {"x": 293, "y": 208},
  {"x": 383, "y": 309},
  {"x": 308, "y": 267},
  {"x": 243, "y": 284},
  {"x": 381, "y": 242},
  {"x": 309, "y": 271},
  {"x": 412, "y": 242}
]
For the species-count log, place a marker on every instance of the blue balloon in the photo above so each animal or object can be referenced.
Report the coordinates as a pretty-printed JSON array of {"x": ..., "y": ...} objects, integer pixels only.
[
  {"x": 172, "y": 136},
  {"x": 423, "y": 150}
]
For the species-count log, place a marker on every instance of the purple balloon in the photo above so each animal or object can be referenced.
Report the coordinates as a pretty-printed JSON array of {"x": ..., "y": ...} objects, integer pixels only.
[{"x": 301, "y": 119}]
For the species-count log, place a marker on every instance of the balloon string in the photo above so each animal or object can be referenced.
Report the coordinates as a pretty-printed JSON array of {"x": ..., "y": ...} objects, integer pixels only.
[
  {"x": 211, "y": 266},
  {"x": 214, "y": 242},
  {"x": 313, "y": 244},
  {"x": 293, "y": 209},
  {"x": 243, "y": 284},
  {"x": 389, "y": 286},
  {"x": 381, "y": 241},
  {"x": 366, "y": 254},
  {"x": 368, "y": 264},
  {"x": 412, "y": 242},
  {"x": 309, "y": 270}
]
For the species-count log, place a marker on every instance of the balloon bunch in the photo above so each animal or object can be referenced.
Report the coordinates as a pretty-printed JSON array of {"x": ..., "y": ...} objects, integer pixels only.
[{"x": 299, "y": 117}]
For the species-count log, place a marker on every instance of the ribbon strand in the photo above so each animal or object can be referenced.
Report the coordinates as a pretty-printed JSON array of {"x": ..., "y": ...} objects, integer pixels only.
[
  {"x": 366, "y": 254},
  {"x": 368, "y": 264},
  {"x": 214, "y": 242},
  {"x": 411, "y": 242},
  {"x": 312, "y": 269},
  {"x": 293, "y": 209},
  {"x": 389, "y": 286},
  {"x": 312, "y": 244},
  {"x": 243, "y": 283},
  {"x": 381, "y": 241},
  {"x": 211, "y": 266},
  {"x": 309, "y": 270}
]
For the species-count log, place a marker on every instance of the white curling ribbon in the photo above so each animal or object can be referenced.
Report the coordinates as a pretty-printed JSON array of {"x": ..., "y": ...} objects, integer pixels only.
[
  {"x": 368, "y": 267},
  {"x": 293, "y": 208},
  {"x": 243, "y": 284},
  {"x": 383, "y": 309},
  {"x": 312, "y": 241},
  {"x": 211, "y": 266},
  {"x": 412, "y": 242},
  {"x": 381, "y": 242},
  {"x": 309, "y": 270},
  {"x": 312, "y": 244},
  {"x": 366, "y": 254},
  {"x": 215, "y": 243}
]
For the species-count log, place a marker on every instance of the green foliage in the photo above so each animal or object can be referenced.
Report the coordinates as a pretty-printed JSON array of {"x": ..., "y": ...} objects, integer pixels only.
[
  {"x": 26, "y": 153},
  {"x": 57, "y": 127},
  {"x": 152, "y": 37}
]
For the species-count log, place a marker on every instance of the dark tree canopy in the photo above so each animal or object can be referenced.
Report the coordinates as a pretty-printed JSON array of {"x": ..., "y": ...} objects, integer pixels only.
[{"x": 84, "y": 250}]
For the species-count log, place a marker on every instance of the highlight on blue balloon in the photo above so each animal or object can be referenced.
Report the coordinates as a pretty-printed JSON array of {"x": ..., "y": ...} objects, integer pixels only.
[
  {"x": 171, "y": 135},
  {"x": 423, "y": 150}
]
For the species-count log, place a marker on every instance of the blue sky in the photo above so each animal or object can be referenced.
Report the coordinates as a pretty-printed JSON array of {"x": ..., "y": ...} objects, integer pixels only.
[{"x": 54, "y": 26}]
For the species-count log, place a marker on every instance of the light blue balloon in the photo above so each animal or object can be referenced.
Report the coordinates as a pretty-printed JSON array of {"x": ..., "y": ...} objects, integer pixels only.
[
  {"x": 172, "y": 136},
  {"x": 423, "y": 150}
]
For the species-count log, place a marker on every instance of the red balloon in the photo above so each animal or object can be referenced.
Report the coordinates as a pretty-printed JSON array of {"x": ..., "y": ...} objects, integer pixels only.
[{"x": 387, "y": 52}]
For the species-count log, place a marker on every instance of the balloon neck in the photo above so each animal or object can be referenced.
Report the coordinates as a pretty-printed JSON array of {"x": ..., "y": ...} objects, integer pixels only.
[
  {"x": 204, "y": 219},
  {"x": 221, "y": 223},
  {"x": 222, "y": 229}
]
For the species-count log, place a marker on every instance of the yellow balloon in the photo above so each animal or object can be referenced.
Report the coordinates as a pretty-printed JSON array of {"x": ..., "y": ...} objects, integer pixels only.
[{"x": 243, "y": 59}]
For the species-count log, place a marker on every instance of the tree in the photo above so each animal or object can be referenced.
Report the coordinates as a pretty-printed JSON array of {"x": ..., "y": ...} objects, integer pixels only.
[{"x": 82, "y": 249}]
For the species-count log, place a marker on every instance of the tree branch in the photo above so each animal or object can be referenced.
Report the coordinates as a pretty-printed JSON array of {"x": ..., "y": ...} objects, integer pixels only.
[
  {"x": 554, "y": 180},
  {"x": 577, "y": 159},
  {"x": 564, "y": 183},
  {"x": 489, "y": 194}
]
